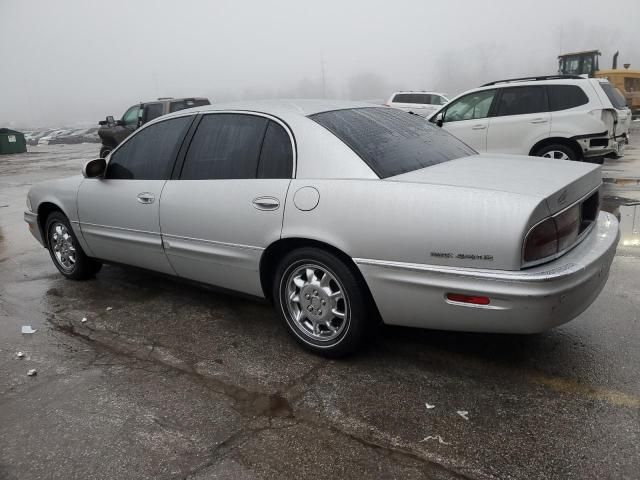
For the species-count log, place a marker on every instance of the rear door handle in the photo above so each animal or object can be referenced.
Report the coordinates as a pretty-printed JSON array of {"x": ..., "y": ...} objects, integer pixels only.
[
  {"x": 266, "y": 203},
  {"x": 478, "y": 127},
  {"x": 539, "y": 120},
  {"x": 146, "y": 198}
]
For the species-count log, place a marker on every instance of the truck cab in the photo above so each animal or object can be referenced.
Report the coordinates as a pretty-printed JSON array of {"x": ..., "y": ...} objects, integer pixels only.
[{"x": 113, "y": 132}]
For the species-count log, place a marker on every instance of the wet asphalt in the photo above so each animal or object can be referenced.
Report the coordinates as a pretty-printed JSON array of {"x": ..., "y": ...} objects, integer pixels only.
[{"x": 170, "y": 380}]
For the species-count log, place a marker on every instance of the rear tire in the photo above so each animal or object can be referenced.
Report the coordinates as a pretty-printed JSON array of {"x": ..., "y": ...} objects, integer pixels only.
[
  {"x": 322, "y": 302},
  {"x": 558, "y": 152},
  {"x": 66, "y": 252}
]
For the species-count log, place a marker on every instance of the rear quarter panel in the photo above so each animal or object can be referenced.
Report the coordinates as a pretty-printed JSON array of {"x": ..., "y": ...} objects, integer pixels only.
[{"x": 415, "y": 223}]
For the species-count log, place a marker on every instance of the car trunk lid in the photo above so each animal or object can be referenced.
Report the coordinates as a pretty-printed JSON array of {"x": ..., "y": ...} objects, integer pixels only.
[{"x": 559, "y": 182}]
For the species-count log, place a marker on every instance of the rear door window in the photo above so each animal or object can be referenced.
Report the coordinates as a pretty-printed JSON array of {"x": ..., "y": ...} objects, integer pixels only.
[
  {"x": 152, "y": 111},
  {"x": 150, "y": 153},
  {"x": 522, "y": 100},
  {"x": 225, "y": 146},
  {"x": 276, "y": 156},
  {"x": 391, "y": 141},
  {"x": 563, "y": 97}
]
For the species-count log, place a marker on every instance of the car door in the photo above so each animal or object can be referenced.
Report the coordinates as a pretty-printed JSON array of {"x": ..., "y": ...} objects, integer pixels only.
[
  {"x": 521, "y": 119},
  {"x": 468, "y": 118},
  {"x": 128, "y": 124},
  {"x": 119, "y": 213},
  {"x": 227, "y": 204}
]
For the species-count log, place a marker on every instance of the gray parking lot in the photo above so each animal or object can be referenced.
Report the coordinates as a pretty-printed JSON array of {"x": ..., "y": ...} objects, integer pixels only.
[{"x": 167, "y": 379}]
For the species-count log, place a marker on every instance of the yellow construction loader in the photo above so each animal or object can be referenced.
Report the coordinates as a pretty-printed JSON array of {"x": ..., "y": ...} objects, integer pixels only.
[{"x": 624, "y": 79}]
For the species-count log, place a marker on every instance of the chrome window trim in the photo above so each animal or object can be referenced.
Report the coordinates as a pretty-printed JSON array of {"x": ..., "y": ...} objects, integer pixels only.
[{"x": 579, "y": 239}]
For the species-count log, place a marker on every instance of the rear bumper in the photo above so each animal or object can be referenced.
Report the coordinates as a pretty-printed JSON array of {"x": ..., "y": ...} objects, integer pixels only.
[
  {"x": 525, "y": 301},
  {"x": 34, "y": 227}
]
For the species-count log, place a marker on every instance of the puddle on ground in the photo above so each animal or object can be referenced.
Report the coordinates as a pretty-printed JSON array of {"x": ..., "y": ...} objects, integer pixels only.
[{"x": 628, "y": 213}]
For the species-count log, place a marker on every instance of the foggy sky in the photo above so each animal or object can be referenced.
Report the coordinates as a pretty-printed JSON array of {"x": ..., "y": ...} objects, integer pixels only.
[{"x": 69, "y": 62}]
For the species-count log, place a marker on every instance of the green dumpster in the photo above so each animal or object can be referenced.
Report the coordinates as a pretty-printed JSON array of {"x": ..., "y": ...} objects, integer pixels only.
[{"x": 12, "y": 141}]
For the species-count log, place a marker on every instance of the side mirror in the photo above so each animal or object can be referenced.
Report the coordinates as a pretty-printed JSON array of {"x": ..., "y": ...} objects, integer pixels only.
[
  {"x": 119, "y": 123},
  {"x": 439, "y": 119},
  {"x": 94, "y": 168}
]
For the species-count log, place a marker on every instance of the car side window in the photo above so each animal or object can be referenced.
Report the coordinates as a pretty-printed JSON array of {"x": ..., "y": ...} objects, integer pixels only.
[
  {"x": 276, "y": 156},
  {"x": 474, "y": 106},
  {"x": 130, "y": 117},
  {"x": 563, "y": 97},
  {"x": 150, "y": 153},
  {"x": 225, "y": 146},
  {"x": 152, "y": 111},
  {"x": 522, "y": 100}
]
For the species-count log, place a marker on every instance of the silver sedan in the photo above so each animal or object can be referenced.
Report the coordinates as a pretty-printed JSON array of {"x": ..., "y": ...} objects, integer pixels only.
[{"x": 342, "y": 214}]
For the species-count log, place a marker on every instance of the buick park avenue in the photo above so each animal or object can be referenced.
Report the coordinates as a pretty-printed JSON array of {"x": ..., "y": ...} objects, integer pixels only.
[{"x": 342, "y": 215}]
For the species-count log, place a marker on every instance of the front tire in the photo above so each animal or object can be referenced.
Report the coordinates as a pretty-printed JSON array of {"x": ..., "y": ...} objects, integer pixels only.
[
  {"x": 66, "y": 252},
  {"x": 105, "y": 150},
  {"x": 322, "y": 302},
  {"x": 557, "y": 152}
]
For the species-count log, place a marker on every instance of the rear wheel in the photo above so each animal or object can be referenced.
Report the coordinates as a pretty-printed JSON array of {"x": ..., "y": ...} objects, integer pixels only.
[
  {"x": 66, "y": 252},
  {"x": 322, "y": 302},
  {"x": 558, "y": 152}
]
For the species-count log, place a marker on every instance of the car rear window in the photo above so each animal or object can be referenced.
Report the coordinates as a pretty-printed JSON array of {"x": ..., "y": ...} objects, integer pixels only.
[
  {"x": 423, "y": 98},
  {"x": 391, "y": 141},
  {"x": 614, "y": 96},
  {"x": 563, "y": 97}
]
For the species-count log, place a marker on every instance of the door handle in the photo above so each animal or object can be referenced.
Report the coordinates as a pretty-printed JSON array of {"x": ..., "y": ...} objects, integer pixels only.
[
  {"x": 146, "y": 198},
  {"x": 539, "y": 120},
  {"x": 266, "y": 203},
  {"x": 478, "y": 127}
]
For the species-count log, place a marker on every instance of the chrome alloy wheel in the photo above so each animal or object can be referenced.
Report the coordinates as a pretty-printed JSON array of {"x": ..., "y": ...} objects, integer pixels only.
[
  {"x": 557, "y": 154},
  {"x": 62, "y": 246},
  {"x": 317, "y": 302}
]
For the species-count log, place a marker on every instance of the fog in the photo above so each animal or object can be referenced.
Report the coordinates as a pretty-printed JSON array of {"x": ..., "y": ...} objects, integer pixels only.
[{"x": 73, "y": 62}]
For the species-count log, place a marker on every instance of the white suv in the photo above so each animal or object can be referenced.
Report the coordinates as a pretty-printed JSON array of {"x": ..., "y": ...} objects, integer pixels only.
[
  {"x": 563, "y": 117},
  {"x": 420, "y": 103}
]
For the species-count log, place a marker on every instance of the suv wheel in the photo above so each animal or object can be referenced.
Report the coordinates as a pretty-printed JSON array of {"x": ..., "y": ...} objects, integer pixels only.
[
  {"x": 322, "y": 302},
  {"x": 66, "y": 252},
  {"x": 557, "y": 151}
]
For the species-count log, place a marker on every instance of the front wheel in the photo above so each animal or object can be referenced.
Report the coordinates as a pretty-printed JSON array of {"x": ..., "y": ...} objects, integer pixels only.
[
  {"x": 105, "y": 150},
  {"x": 66, "y": 252},
  {"x": 322, "y": 302},
  {"x": 558, "y": 152}
]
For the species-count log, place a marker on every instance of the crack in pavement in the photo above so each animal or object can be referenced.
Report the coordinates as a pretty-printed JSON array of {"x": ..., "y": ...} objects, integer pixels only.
[{"x": 251, "y": 405}]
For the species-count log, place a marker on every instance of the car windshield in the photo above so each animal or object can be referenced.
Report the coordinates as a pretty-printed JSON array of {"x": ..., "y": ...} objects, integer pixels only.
[{"x": 391, "y": 141}]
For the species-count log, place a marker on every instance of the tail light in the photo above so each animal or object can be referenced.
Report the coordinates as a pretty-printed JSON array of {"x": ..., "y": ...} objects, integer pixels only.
[
  {"x": 558, "y": 233},
  {"x": 541, "y": 242},
  {"x": 568, "y": 226}
]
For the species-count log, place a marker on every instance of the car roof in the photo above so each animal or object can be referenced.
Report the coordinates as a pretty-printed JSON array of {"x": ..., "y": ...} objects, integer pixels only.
[
  {"x": 523, "y": 83},
  {"x": 417, "y": 91},
  {"x": 285, "y": 107}
]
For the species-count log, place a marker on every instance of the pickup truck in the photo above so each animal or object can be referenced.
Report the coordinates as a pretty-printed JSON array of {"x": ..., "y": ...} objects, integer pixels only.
[{"x": 113, "y": 132}]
